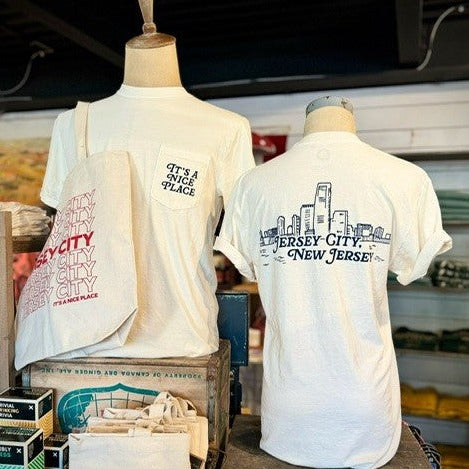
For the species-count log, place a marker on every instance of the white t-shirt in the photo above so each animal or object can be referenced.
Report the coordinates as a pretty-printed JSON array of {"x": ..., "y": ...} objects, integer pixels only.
[
  {"x": 318, "y": 228},
  {"x": 185, "y": 156}
]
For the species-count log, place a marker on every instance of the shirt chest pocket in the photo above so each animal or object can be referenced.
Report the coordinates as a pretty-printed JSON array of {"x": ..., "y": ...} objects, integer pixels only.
[{"x": 178, "y": 181}]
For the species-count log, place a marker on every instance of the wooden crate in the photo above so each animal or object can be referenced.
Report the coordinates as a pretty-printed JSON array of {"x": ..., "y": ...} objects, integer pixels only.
[{"x": 83, "y": 387}]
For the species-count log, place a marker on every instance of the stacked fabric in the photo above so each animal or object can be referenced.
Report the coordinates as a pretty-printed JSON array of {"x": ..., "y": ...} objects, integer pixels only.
[
  {"x": 422, "y": 401},
  {"x": 453, "y": 407},
  {"x": 454, "y": 457},
  {"x": 450, "y": 273},
  {"x": 26, "y": 219},
  {"x": 427, "y": 402},
  {"x": 455, "y": 341},
  {"x": 167, "y": 431},
  {"x": 417, "y": 340},
  {"x": 454, "y": 205}
]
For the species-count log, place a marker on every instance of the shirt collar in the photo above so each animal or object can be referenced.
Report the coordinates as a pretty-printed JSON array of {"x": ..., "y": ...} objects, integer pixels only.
[
  {"x": 324, "y": 138},
  {"x": 149, "y": 92}
]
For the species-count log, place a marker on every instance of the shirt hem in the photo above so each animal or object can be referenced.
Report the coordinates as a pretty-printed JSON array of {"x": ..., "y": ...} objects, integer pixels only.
[
  {"x": 48, "y": 201},
  {"x": 236, "y": 257}
]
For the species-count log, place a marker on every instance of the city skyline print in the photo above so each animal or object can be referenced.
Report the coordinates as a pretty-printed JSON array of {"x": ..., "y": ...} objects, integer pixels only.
[{"x": 319, "y": 232}]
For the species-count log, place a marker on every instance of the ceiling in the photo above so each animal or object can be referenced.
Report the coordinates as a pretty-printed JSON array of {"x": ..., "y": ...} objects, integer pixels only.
[{"x": 228, "y": 48}]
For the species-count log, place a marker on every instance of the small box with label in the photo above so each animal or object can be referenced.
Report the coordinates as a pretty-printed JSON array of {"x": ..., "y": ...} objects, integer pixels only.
[
  {"x": 56, "y": 451},
  {"x": 21, "y": 447},
  {"x": 27, "y": 407}
]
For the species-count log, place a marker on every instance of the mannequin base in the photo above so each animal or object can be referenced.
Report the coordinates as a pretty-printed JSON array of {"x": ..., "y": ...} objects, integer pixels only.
[{"x": 243, "y": 449}]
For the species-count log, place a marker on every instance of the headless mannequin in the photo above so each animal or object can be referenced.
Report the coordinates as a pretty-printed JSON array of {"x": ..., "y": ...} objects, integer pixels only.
[
  {"x": 151, "y": 58},
  {"x": 330, "y": 113}
]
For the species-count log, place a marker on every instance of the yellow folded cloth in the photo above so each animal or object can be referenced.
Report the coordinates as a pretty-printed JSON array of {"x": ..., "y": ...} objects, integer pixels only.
[
  {"x": 422, "y": 401},
  {"x": 454, "y": 457},
  {"x": 453, "y": 407}
]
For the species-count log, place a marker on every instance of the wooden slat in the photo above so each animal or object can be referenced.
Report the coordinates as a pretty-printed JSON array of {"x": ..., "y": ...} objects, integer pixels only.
[{"x": 6, "y": 302}]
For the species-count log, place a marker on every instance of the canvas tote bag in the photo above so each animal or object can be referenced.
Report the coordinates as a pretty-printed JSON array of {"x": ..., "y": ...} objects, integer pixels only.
[
  {"x": 82, "y": 293},
  {"x": 167, "y": 414},
  {"x": 117, "y": 451}
]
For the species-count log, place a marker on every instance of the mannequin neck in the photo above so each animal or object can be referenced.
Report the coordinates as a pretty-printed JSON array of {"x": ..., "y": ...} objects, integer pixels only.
[
  {"x": 330, "y": 118},
  {"x": 151, "y": 67}
]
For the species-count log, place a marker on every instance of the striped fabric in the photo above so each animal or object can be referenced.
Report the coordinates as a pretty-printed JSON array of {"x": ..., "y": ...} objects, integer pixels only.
[{"x": 37, "y": 462}]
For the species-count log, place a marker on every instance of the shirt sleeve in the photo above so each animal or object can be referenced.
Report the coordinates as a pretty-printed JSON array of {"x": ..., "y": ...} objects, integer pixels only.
[
  {"x": 62, "y": 156},
  {"x": 233, "y": 240},
  {"x": 422, "y": 240},
  {"x": 237, "y": 160}
]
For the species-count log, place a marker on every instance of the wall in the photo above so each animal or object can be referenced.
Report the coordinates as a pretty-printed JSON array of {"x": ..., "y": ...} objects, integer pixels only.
[{"x": 424, "y": 118}]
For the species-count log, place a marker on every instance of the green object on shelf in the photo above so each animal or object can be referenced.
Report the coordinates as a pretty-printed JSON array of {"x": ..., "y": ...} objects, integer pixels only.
[
  {"x": 454, "y": 205},
  {"x": 453, "y": 195}
]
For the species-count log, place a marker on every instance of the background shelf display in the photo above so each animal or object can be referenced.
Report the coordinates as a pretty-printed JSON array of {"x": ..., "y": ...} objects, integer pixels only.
[
  {"x": 433, "y": 309},
  {"x": 449, "y": 432}
]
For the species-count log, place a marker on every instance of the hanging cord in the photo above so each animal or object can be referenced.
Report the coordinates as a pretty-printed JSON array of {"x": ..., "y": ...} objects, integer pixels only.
[
  {"x": 45, "y": 50},
  {"x": 460, "y": 8}
]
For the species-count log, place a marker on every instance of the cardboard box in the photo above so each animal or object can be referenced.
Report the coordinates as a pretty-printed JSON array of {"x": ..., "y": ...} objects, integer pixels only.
[
  {"x": 27, "y": 407},
  {"x": 84, "y": 387},
  {"x": 21, "y": 447},
  {"x": 56, "y": 451}
]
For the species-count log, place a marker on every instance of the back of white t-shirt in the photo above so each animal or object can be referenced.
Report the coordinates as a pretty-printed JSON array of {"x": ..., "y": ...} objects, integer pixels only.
[{"x": 318, "y": 228}]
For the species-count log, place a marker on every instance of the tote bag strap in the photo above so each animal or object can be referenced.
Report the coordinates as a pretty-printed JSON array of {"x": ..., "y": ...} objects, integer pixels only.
[{"x": 81, "y": 124}]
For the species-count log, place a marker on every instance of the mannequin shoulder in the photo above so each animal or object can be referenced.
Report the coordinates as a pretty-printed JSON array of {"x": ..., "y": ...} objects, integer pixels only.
[
  {"x": 64, "y": 122},
  {"x": 218, "y": 113},
  {"x": 390, "y": 161}
]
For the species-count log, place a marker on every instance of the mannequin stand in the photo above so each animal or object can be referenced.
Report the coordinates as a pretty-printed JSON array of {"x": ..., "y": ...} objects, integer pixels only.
[{"x": 243, "y": 449}]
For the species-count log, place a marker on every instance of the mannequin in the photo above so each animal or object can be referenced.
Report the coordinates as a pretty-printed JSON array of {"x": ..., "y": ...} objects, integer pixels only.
[
  {"x": 282, "y": 239},
  {"x": 181, "y": 170},
  {"x": 151, "y": 58},
  {"x": 330, "y": 113}
]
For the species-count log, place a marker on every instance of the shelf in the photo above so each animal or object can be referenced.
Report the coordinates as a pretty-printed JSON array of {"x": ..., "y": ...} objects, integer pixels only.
[
  {"x": 432, "y": 355},
  {"x": 450, "y": 432},
  {"x": 28, "y": 243},
  {"x": 428, "y": 308},
  {"x": 456, "y": 421},
  {"x": 446, "y": 372},
  {"x": 463, "y": 223},
  {"x": 255, "y": 355},
  {"x": 415, "y": 157},
  {"x": 394, "y": 286}
]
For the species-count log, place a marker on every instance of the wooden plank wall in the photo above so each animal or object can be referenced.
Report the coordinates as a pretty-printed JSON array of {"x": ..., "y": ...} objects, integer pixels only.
[{"x": 423, "y": 118}]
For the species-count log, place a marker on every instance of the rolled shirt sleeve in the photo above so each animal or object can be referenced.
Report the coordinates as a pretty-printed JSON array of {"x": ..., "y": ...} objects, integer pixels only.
[
  {"x": 422, "y": 239},
  {"x": 233, "y": 240}
]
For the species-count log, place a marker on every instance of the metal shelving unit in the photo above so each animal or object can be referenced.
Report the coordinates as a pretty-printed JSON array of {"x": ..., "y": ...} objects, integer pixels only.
[{"x": 428, "y": 308}]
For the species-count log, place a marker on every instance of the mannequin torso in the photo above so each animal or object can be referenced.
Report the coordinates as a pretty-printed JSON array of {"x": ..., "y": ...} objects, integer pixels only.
[
  {"x": 151, "y": 58},
  {"x": 329, "y": 114},
  {"x": 330, "y": 118},
  {"x": 151, "y": 67}
]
